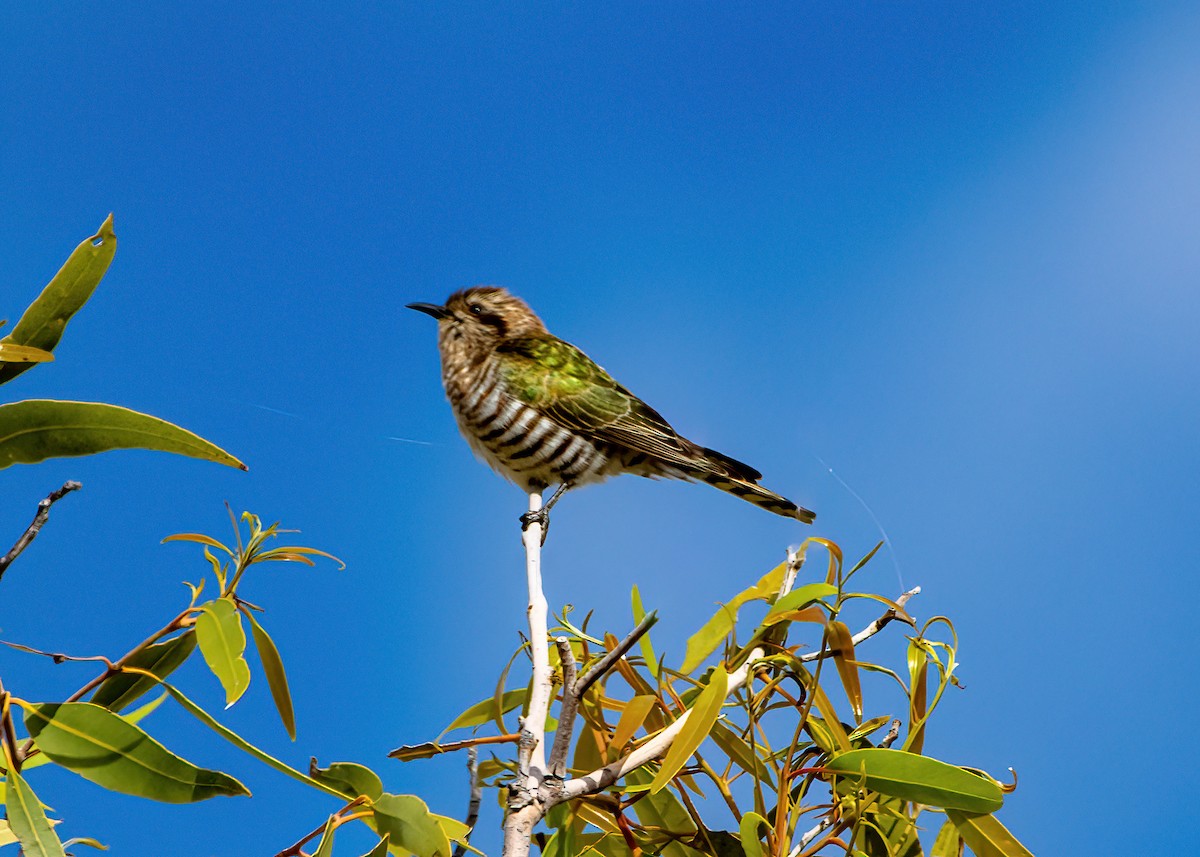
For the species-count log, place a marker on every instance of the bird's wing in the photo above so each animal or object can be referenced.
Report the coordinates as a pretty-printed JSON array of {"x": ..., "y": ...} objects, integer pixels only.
[{"x": 567, "y": 386}]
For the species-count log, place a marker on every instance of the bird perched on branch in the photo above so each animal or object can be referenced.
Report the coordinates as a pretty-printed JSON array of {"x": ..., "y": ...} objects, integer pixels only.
[{"x": 541, "y": 412}]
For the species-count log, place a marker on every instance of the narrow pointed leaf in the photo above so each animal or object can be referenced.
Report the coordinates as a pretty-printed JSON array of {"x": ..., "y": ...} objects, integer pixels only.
[
  {"x": 43, "y": 323},
  {"x": 11, "y": 353},
  {"x": 198, "y": 538},
  {"x": 162, "y": 659},
  {"x": 699, "y": 723},
  {"x": 639, "y": 613},
  {"x": 325, "y": 846},
  {"x": 841, "y": 645},
  {"x": 111, "y": 752},
  {"x": 948, "y": 842},
  {"x": 796, "y": 600},
  {"x": 631, "y": 721},
  {"x": 409, "y": 824},
  {"x": 740, "y": 753},
  {"x": 380, "y": 849},
  {"x": 27, "y": 820},
  {"x": 86, "y": 840},
  {"x": 223, "y": 642},
  {"x": 277, "y": 681},
  {"x": 986, "y": 836},
  {"x": 350, "y": 779},
  {"x": 7, "y": 837},
  {"x": 919, "y": 779},
  {"x": 705, "y": 641},
  {"x": 37, "y": 429},
  {"x": 483, "y": 711},
  {"x": 142, "y": 712}
]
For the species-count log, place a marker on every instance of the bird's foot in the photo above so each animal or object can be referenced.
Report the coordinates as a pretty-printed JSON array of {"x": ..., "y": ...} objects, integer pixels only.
[{"x": 541, "y": 516}]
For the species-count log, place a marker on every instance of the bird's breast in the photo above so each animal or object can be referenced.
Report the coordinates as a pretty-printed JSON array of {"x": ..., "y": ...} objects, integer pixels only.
[{"x": 517, "y": 440}]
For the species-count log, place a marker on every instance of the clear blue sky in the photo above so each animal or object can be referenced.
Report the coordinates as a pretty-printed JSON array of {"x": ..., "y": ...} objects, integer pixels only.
[{"x": 948, "y": 250}]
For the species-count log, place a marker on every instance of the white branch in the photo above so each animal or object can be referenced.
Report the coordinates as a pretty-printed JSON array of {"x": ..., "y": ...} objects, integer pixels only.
[
  {"x": 657, "y": 746},
  {"x": 539, "y": 694},
  {"x": 872, "y": 629}
]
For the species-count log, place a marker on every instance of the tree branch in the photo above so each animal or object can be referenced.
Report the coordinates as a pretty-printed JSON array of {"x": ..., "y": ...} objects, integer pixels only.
[
  {"x": 606, "y": 663},
  {"x": 524, "y": 807},
  {"x": 567, "y": 711},
  {"x": 39, "y": 520},
  {"x": 871, "y": 630},
  {"x": 460, "y": 849}
]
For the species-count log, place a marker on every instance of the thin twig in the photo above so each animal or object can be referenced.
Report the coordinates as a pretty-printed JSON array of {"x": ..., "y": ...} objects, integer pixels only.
[
  {"x": 567, "y": 711},
  {"x": 824, "y": 824},
  {"x": 602, "y": 666},
  {"x": 892, "y": 734},
  {"x": 869, "y": 631},
  {"x": 39, "y": 520},
  {"x": 460, "y": 849}
]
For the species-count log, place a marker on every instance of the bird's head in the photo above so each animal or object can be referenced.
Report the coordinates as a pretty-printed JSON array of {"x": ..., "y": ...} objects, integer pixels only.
[{"x": 483, "y": 315}]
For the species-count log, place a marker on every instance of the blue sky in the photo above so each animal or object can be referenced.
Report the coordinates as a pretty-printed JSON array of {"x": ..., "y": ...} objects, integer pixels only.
[{"x": 946, "y": 250}]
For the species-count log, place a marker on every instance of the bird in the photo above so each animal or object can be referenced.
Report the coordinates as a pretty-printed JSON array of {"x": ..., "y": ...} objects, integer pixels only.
[{"x": 541, "y": 412}]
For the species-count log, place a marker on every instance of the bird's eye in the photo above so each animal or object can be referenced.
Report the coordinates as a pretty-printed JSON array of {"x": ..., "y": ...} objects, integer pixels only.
[{"x": 477, "y": 309}]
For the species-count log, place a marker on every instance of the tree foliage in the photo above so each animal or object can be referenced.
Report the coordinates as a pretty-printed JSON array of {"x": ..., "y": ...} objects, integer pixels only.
[{"x": 776, "y": 734}]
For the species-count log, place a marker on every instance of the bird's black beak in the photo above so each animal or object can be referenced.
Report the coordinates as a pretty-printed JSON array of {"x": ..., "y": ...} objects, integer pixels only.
[{"x": 438, "y": 312}]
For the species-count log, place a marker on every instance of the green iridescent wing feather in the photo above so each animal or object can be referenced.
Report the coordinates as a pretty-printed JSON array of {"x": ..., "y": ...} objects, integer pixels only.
[{"x": 566, "y": 385}]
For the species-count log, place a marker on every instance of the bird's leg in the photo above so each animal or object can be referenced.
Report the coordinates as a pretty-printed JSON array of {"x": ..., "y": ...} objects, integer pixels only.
[{"x": 542, "y": 515}]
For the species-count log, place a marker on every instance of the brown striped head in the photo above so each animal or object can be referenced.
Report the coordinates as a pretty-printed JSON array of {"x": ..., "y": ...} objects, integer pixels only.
[{"x": 480, "y": 318}]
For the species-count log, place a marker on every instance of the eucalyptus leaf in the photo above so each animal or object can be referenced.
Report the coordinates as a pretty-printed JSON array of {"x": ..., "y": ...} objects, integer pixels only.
[
  {"x": 110, "y": 751},
  {"x": 162, "y": 659},
  {"x": 272, "y": 665},
  {"x": 42, "y": 324},
  {"x": 223, "y": 642},
  {"x": 28, "y": 822},
  {"x": 919, "y": 779},
  {"x": 37, "y": 429}
]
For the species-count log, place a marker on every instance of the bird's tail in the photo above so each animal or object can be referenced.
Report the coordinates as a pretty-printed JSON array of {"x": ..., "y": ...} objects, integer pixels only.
[{"x": 741, "y": 480}]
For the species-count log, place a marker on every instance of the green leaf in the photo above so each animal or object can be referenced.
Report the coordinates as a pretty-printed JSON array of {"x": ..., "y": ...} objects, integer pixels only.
[
  {"x": 482, "y": 711},
  {"x": 27, "y": 820},
  {"x": 380, "y": 849},
  {"x": 349, "y": 779},
  {"x": 111, "y": 752},
  {"x": 143, "y": 711},
  {"x": 699, "y": 723},
  {"x": 325, "y": 846},
  {"x": 272, "y": 666},
  {"x": 37, "y": 429},
  {"x": 948, "y": 842},
  {"x": 919, "y": 779},
  {"x": 7, "y": 837},
  {"x": 631, "y": 721},
  {"x": 705, "y": 641},
  {"x": 162, "y": 659},
  {"x": 797, "y": 600},
  {"x": 11, "y": 353},
  {"x": 841, "y": 646},
  {"x": 222, "y": 642},
  {"x": 406, "y": 820},
  {"x": 43, "y": 323},
  {"x": 85, "y": 840},
  {"x": 639, "y": 613},
  {"x": 986, "y": 836},
  {"x": 740, "y": 753},
  {"x": 748, "y": 831}
]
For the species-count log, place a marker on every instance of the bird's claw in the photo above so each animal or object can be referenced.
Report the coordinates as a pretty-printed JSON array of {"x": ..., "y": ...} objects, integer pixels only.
[{"x": 541, "y": 516}]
